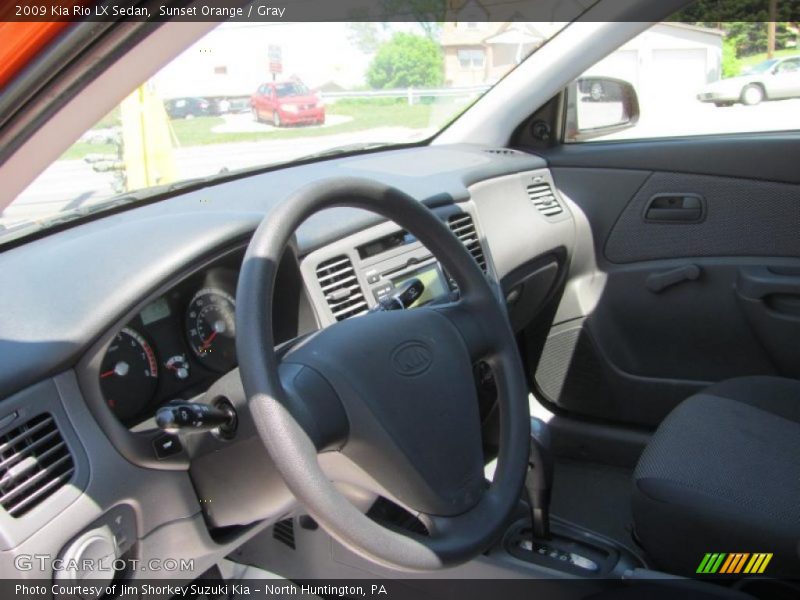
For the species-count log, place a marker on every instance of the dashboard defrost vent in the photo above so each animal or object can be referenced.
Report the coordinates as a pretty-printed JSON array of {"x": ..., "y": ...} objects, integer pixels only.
[
  {"x": 34, "y": 463},
  {"x": 502, "y": 151},
  {"x": 283, "y": 531},
  {"x": 544, "y": 199},
  {"x": 339, "y": 284},
  {"x": 464, "y": 229}
]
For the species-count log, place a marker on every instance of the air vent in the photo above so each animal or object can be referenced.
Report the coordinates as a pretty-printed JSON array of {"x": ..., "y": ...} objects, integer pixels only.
[
  {"x": 502, "y": 151},
  {"x": 34, "y": 463},
  {"x": 462, "y": 225},
  {"x": 339, "y": 284},
  {"x": 283, "y": 531},
  {"x": 543, "y": 198}
]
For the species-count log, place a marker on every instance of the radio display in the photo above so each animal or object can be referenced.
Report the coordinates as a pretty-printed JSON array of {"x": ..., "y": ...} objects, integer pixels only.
[
  {"x": 386, "y": 243},
  {"x": 433, "y": 279}
]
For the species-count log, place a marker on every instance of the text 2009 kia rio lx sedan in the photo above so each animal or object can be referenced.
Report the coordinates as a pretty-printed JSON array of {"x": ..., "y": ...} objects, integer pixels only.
[{"x": 519, "y": 314}]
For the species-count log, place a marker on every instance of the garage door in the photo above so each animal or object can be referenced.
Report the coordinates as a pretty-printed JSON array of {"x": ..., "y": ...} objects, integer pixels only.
[
  {"x": 622, "y": 64},
  {"x": 685, "y": 69}
]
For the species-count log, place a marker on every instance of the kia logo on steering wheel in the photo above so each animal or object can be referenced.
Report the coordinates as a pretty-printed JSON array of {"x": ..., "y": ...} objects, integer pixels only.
[{"x": 412, "y": 358}]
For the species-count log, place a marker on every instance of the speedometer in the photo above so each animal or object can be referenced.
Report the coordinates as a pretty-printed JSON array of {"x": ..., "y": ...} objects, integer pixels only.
[
  {"x": 128, "y": 374},
  {"x": 211, "y": 328}
]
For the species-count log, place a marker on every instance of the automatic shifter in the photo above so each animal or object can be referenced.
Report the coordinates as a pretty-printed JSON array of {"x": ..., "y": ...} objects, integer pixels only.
[{"x": 539, "y": 480}]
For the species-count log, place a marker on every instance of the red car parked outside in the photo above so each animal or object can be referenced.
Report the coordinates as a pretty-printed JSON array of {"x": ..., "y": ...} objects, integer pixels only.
[{"x": 286, "y": 103}]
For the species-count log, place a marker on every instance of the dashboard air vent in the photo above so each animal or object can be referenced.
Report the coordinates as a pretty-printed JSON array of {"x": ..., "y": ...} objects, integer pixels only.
[
  {"x": 283, "y": 531},
  {"x": 543, "y": 198},
  {"x": 339, "y": 284},
  {"x": 462, "y": 225},
  {"x": 34, "y": 463}
]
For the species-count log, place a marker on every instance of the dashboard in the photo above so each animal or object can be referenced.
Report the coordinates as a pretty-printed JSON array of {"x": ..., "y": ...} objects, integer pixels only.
[{"x": 152, "y": 321}]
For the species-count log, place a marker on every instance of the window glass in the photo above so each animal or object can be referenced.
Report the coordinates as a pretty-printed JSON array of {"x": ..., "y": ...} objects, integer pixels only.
[
  {"x": 471, "y": 58},
  {"x": 699, "y": 79},
  {"x": 253, "y": 94}
]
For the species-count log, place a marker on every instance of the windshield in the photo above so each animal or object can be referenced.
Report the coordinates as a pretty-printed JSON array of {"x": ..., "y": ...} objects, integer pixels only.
[
  {"x": 256, "y": 94},
  {"x": 285, "y": 90}
]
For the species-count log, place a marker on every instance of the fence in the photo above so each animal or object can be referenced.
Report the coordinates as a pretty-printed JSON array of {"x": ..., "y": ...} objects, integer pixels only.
[{"x": 412, "y": 95}]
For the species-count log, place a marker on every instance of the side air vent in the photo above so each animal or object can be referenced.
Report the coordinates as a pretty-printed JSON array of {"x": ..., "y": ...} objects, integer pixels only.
[
  {"x": 34, "y": 463},
  {"x": 543, "y": 198},
  {"x": 283, "y": 531},
  {"x": 462, "y": 225},
  {"x": 339, "y": 284}
]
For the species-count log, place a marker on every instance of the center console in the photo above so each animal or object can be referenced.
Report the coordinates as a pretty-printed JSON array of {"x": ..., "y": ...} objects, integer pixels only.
[{"x": 351, "y": 276}]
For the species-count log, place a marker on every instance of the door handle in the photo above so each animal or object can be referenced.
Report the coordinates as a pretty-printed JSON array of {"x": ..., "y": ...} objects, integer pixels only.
[
  {"x": 675, "y": 208},
  {"x": 658, "y": 282}
]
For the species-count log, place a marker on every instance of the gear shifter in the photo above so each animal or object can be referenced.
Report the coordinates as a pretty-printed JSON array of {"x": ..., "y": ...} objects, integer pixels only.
[{"x": 539, "y": 479}]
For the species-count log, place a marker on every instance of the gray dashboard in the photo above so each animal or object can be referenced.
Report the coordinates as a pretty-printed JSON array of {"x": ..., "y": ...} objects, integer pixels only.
[{"x": 69, "y": 292}]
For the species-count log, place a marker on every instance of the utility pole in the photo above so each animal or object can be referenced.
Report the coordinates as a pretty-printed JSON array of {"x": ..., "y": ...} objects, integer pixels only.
[{"x": 773, "y": 16}]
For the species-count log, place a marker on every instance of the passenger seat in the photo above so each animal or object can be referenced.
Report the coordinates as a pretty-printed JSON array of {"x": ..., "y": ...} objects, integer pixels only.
[{"x": 722, "y": 475}]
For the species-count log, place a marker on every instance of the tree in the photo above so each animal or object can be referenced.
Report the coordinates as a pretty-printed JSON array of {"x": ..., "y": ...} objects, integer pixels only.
[
  {"x": 755, "y": 26},
  {"x": 406, "y": 60},
  {"x": 364, "y": 36},
  {"x": 429, "y": 14},
  {"x": 773, "y": 16}
]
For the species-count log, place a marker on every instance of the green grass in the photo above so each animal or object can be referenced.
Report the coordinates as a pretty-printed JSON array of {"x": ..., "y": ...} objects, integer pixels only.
[
  {"x": 80, "y": 149},
  {"x": 198, "y": 132},
  {"x": 754, "y": 59},
  {"x": 364, "y": 115}
]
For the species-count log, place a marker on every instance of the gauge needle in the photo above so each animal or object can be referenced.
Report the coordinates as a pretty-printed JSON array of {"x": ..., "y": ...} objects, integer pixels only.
[
  {"x": 121, "y": 369},
  {"x": 208, "y": 340}
]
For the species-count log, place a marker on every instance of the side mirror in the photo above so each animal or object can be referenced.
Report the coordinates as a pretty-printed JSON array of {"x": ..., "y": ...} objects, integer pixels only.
[{"x": 598, "y": 106}]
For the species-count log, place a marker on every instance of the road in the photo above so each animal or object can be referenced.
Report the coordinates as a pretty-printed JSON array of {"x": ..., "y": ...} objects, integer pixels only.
[
  {"x": 73, "y": 183},
  {"x": 70, "y": 184}
]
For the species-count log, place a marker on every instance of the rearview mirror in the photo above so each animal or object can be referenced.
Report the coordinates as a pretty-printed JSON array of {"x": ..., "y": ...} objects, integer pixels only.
[{"x": 598, "y": 106}]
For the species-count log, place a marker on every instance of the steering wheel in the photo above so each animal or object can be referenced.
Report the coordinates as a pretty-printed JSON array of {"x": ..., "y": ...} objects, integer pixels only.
[{"x": 392, "y": 391}]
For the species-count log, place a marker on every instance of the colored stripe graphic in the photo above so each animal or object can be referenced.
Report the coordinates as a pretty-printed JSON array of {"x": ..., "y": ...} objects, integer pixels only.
[
  {"x": 734, "y": 563},
  {"x": 758, "y": 563},
  {"x": 711, "y": 562}
]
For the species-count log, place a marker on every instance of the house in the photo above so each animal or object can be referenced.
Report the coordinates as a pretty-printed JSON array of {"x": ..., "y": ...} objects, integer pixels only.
[{"x": 479, "y": 52}]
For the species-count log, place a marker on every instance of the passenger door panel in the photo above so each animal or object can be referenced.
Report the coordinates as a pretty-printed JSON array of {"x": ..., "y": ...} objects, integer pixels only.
[{"x": 657, "y": 308}]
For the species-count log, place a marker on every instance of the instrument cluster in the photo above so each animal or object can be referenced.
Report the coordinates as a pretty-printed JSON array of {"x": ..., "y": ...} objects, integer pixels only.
[{"x": 174, "y": 348}]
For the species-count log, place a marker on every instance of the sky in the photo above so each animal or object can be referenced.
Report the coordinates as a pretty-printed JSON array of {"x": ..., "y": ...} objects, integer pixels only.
[{"x": 317, "y": 53}]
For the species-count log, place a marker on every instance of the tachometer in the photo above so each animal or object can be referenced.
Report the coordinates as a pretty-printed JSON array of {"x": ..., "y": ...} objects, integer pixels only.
[
  {"x": 128, "y": 374},
  {"x": 211, "y": 328}
]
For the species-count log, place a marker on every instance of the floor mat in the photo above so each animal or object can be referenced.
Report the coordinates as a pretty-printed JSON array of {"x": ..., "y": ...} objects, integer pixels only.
[{"x": 594, "y": 496}]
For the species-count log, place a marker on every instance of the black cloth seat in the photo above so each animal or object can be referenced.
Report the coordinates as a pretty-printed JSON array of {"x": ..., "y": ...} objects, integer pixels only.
[{"x": 722, "y": 474}]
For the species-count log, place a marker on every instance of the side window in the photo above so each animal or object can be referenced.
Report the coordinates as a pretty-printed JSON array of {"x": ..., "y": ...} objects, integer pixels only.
[
  {"x": 789, "y": 66},
  {"x": 689, "y": 79},
  {"x": 471, "y": 58}
]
